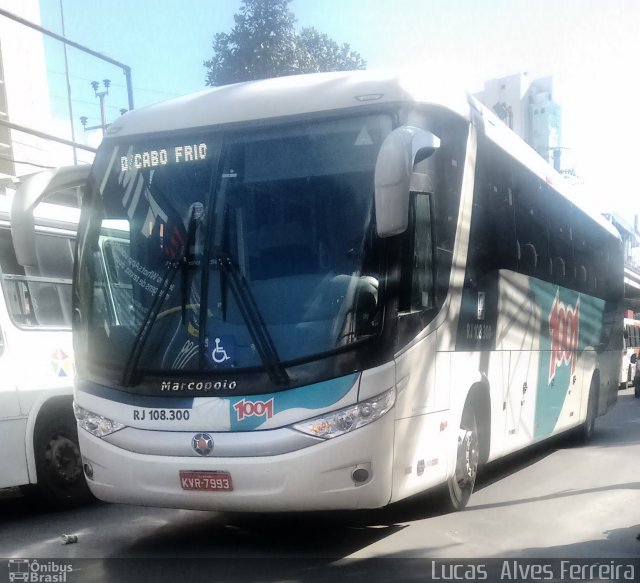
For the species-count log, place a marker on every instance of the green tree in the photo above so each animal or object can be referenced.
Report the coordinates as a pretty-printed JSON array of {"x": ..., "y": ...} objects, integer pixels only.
[
  {"x": 317, "y": 53},
  {"x": 264, "y": 43}
]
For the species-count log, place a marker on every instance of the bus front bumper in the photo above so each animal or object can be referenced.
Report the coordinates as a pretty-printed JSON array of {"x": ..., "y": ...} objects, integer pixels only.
[{"x": 319, "y": 477}]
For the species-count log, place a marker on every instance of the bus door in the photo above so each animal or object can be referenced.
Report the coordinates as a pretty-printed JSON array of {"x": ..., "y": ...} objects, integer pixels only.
[{"x": 13, "y": 469}]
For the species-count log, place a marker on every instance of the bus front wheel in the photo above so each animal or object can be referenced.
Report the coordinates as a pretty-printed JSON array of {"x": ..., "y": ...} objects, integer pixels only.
[
  {"x": 61, "y": 481},
  {"x": 467, "y": 461}
]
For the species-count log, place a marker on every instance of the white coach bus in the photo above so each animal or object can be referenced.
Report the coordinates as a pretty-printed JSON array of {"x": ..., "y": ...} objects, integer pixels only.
[
  {"x": 331, "y": 291},
  {"x": 37, "y": 427},
  {"x": 631, "y": 347}
]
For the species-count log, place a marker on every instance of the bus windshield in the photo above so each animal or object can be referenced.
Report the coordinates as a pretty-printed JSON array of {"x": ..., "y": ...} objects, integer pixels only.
[{"x": 232, "y": 249}]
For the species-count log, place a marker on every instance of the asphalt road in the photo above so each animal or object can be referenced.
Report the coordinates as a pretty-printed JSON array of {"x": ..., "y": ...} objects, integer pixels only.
[{"x": 557, "y": 500}]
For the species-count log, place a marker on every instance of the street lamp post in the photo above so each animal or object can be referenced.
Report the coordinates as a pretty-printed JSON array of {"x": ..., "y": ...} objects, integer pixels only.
[
  {"x": 103, "y": 108},
  {"x": 101, "y": 95}
]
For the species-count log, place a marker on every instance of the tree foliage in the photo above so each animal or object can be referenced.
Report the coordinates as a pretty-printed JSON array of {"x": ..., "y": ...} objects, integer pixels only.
[{"x": 264, "y": 43}]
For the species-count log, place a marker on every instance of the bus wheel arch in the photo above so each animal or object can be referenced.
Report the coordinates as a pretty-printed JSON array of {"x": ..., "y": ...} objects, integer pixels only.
[
  {"x": 472, "y": 449},
  {"x": 60, "y": 479}
]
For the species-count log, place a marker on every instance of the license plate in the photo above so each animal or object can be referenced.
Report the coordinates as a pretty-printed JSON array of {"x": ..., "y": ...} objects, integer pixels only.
[{"x": 209, "y": 481}]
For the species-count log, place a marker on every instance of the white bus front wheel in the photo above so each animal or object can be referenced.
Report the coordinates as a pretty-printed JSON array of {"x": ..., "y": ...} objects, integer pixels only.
[{"x": 467, "y": 460}]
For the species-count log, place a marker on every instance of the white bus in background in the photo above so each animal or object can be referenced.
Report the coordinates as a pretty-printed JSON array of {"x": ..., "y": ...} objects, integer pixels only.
[
  {"x": 37, "y": 429},
  {"x": 331, "y": 291},
  {"x": 631, "y": 346}
]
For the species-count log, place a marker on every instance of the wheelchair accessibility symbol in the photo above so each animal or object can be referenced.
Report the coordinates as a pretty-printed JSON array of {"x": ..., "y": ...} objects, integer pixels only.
[
  {"x": 219, "y": 354},
  {"x": 220, "y": 350}
]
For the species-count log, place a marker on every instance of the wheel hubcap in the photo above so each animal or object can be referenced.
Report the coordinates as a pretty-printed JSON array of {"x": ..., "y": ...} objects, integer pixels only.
[
  {"x": 468, "y": 456},
  {"x": 63, "y": 459}
]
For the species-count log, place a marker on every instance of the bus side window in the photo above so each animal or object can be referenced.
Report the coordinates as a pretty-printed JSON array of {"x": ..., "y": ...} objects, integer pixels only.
[
  {"x": 560, "y": 239},
  {"x": 527, "y": 258},
  {"x": 531, "y": 224},
  {"x": 492, "y": 238},
  {"x": 47, "y": 305},
  {"x": 421, "y": 268},
  {"x": 558, "y": 270},
  {"x": 581, "y": 277}
]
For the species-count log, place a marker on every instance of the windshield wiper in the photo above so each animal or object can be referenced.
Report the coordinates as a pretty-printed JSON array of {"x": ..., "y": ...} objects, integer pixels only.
[
  {"x": 253, "y": 319},
  {"x": 183, "y": 261},
  {"x": 149, "y": 320},
  {"x": 189, "y": 257}
]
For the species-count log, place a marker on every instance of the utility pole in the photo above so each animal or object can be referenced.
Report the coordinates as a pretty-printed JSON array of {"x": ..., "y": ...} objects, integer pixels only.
[{"x": 66, "y": 71}]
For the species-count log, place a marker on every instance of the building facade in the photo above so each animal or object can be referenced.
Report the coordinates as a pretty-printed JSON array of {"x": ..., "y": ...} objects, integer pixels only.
[
  {"x": 526, "y": 105},
  {"x": 25, "y": 99}
]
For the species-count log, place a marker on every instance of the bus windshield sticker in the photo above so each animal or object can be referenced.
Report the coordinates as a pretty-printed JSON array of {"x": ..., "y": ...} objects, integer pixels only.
[{"x": 220, "y": 351}]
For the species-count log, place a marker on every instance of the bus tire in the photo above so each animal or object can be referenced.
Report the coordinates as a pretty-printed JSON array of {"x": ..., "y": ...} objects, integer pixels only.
[
  {"x": 587, "y": 429},
  {"x": 461, "y": 484},
  {"x": 61, "y": 482}
]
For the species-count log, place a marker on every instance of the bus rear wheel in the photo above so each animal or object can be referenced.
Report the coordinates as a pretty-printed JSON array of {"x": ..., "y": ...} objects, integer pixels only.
[
  {"x": 467, "y": 460},
  {"x": 585, "y": 432}
]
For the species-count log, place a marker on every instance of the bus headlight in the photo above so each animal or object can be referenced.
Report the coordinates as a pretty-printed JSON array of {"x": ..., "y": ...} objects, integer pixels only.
[
  {"x": 95, "y": 424},
  {"x": 344, "y": 420}
]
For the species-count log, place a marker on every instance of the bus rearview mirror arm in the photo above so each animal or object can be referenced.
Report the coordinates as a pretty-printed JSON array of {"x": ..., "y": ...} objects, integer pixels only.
[{"x": 401, "y": 150}]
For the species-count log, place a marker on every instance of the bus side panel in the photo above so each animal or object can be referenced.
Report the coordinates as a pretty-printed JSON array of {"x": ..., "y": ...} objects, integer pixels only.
[
  {"x": 45, "y": 361},
  {"x": 44, "y": 369},
  {"x": 571, "y": 329},
  {"x": 498, "y": 333},
  {"x": 551, "y": 334},
  {"x": 13, "y": 467},
  {"x": 422, "y": 453},
  {"x": 513, "y": 322},
  {"x": 422, "y": 414},
  {"x": 609, "y": 367},
  {"x": 432, "y": 391}
]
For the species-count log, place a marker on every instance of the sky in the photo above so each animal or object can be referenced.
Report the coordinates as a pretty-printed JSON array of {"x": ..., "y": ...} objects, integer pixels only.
[{"x": 591, "y": 48}]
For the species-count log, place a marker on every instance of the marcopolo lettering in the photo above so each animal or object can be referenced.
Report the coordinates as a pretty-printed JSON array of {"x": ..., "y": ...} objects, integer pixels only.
[{"x": 198, "y": 386}]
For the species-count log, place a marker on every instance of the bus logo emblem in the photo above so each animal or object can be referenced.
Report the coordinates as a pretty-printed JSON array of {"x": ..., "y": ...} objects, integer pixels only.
[
  {"x": 202, "y": 443},
  {"x": 61, "y": 363},
  {"x": 564, "y": 331},
  {"x": 246, "y": 409}
]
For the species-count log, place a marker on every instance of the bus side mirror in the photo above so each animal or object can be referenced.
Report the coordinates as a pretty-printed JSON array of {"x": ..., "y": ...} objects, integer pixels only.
[
  {"x": 32, "y": 190},
  {"x": 401, "y": 150}
]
